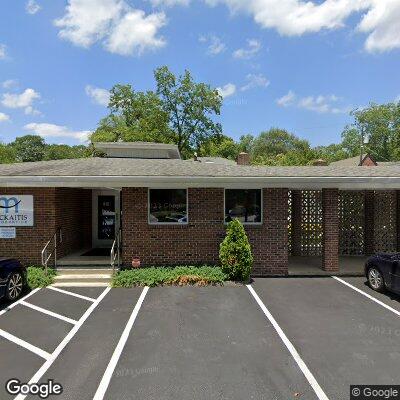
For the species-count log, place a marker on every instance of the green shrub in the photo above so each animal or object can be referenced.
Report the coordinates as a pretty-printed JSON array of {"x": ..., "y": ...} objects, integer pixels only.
[
  {"x": 182, "y": 275},
  {"x": 235, "y": 252},
  {"x": 37, "y": 277}
]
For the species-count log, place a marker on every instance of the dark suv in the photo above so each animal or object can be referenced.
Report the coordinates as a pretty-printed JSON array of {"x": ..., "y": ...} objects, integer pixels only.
[
  {"x": 383, "y": 272},
  {"x": 12, "y": 278}
]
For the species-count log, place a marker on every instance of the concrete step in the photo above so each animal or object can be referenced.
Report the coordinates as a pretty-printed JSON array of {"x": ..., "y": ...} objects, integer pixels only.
[
  {"x": 84, "y": 271},
  {"x": 92, "y": 261},
  {"x": 81, "y": 284},
  {"x": 83, "y": 277}
]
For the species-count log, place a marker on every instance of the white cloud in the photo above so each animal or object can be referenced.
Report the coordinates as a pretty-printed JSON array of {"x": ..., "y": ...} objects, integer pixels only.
[
  {"x": 10, "y": 83},
  {"x": 22, "y": 100},
  {"x": 214, "y": 44},
  {"x": 253, "y": 47},
  {"x": 397, "y": 99},
  {"x": 32, "y": 7},
  {"x": 380, "y": 19},
  {"x": 31, "y": 111},
  {"x": 320, "y": 104},
  {"x": 227, "y": 90},
  {"x": 4, "y": 117},
  {"x": 287, "y": 99},
  {"x": 114, "y": 23},
  {"x": 3, "y": 51},
  {"x": 52, "y": 130},
  {"x": 98, "y": 95},
  {"x": 254, "y": 81},
  {"x": 135, "y": 33},
  {"x": 382, "y": 22},
  {"x": 169, "y": 3}
]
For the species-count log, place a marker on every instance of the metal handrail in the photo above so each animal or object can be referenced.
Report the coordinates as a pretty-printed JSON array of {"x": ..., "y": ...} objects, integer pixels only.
[
  {"x": 45, "y": 256},
  {"x": 115, "y": 253}
]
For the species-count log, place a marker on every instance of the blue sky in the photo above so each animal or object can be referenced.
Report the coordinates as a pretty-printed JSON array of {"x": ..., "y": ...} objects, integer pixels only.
[{"x": 278, "y": 63}]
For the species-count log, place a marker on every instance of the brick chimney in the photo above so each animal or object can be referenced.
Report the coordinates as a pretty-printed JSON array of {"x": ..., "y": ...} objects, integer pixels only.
[
  {"x": 243, "y": 159},
  {"x": 319, "y": 163}
]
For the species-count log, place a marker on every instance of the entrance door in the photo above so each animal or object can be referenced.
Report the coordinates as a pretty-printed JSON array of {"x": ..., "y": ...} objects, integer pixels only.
[{"x": 106, "y": 210}]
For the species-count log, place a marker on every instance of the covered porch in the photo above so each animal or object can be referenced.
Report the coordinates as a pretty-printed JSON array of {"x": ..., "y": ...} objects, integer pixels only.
[
  {"x": 333, "y": 231},
  {"x": 88, "y": 221}
]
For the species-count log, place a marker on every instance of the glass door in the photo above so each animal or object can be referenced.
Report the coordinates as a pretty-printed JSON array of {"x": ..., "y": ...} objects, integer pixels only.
[{"x": 105, "y": 217}]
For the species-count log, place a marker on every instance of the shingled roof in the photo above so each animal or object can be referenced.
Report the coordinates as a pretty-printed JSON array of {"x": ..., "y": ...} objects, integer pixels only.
[{"x": 128, "y": 171}]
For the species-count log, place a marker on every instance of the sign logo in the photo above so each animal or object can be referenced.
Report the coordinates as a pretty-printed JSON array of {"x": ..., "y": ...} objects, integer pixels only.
[
  {"x": 16, "y": 210},
  {"x": 7, "y": 200}
]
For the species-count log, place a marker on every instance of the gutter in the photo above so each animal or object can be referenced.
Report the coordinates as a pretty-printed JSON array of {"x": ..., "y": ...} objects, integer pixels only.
[{"x": 307, "y": 182}]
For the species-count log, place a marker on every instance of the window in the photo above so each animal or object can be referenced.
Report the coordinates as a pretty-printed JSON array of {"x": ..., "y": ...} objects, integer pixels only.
[
  {"x": 168, "y": 206},
  {"x": 244, "y": 205}
]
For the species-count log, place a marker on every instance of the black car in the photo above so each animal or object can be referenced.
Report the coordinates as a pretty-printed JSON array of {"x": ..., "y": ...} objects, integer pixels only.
[
  {"x": 383, "y": 272},
  {"x": 12, "y": 278}
]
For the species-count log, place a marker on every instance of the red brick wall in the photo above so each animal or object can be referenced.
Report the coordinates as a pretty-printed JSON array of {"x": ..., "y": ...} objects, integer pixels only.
[
  {"x": 67, "y": 208},
  {"x": 74, "y": 216},
  {"x": 330, "y": 241},
  {"x": 29, "y": 241},
  {"x": 198, "y": 242}
]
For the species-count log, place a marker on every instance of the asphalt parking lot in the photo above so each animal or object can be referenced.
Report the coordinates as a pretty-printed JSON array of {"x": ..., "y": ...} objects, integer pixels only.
[{"x": 280, "y": 338}]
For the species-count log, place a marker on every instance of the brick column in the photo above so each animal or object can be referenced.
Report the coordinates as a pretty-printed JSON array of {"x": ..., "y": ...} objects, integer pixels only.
[
  {"x": 296, "y": 223},
  {"x": 330, "y": 222},
  {"x": 369, "y": 224}
]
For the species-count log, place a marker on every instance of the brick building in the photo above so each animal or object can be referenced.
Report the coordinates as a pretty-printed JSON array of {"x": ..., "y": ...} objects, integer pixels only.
[{"x": 172, "y": 211}]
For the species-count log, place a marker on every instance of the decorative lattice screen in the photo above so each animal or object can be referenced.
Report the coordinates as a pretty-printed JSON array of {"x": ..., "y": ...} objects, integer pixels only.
[
  {"x": 351, "y": 222},
  {"x": 311, "y": 223},
  {"x": 385, "y": 221}
]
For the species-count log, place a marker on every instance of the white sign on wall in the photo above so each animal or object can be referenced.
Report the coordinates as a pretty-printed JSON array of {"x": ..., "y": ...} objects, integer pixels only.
[
  {"x": 7, "y": 233},
  {"x": 16, "y": 210}
]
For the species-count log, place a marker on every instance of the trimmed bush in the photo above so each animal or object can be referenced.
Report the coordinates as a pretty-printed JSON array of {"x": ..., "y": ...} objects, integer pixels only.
[
  {"x": 37, "y": 277},
  {"x": 181, "y": 276},
  {"x": 235, "y": 252}
]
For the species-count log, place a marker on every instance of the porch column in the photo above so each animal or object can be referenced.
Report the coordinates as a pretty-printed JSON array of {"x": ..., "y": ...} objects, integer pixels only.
[
  {"x": 330, "y": 226},
  {"x": 369, "y": 224},
  {"x": 296, "y": 223}
]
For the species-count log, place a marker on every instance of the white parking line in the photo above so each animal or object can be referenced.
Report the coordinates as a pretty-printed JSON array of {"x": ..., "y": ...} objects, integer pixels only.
[
  {"x": 8, "y": 308},
  {"x": 48, "y": 312},
  {"x": 80, "y": 296},
  {"x": 42, "y": 370},
  {"x": 26, "y": 345},
  {"x": 105, "y": 381},
  {"x": 307, "y": 373},
  {"x": 367, "y": 295}
]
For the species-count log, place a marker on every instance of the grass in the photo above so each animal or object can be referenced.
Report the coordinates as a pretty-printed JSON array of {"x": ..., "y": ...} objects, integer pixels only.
[
  {"x": 158, "y": 276},
  {"x": 37, "y": 277}
]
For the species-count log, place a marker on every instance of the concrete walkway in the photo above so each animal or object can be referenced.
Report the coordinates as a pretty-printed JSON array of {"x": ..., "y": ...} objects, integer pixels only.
[{"x": 348, "y": 265}]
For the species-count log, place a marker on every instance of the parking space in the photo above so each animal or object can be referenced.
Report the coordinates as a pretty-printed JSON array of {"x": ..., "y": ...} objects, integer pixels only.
[
  {"x": 203, "y": 343},
  {"x": 343, "y": 337},
  {"x": 35, "y": 329},
  {"x": 307, "y": 338}
]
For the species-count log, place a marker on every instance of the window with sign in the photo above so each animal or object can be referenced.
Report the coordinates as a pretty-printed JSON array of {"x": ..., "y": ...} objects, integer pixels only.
[
  {"x": 168, "y": 206},
  {"x": 244, "y": 205}
]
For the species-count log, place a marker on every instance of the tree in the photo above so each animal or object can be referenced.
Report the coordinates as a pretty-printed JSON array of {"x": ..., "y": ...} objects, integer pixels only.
[
  {"x": 63, "y": 151},
  {"x": 235, "y": 252},
  {"x": 141, "y": 113},
  {"x": 219, "y": 146},
  {"x": 7, "y": 154},
  {"x": 29, "y": 148},
  {"x": 279, "y": 147},
  {"x": 190, "y": 107},
  {"x": 380, "y": 123}
]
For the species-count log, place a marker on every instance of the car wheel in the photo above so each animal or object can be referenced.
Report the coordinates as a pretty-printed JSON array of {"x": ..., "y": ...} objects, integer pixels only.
[
  {"x": 15, "y": 285},
  {"x": 375, "y": 279}
]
